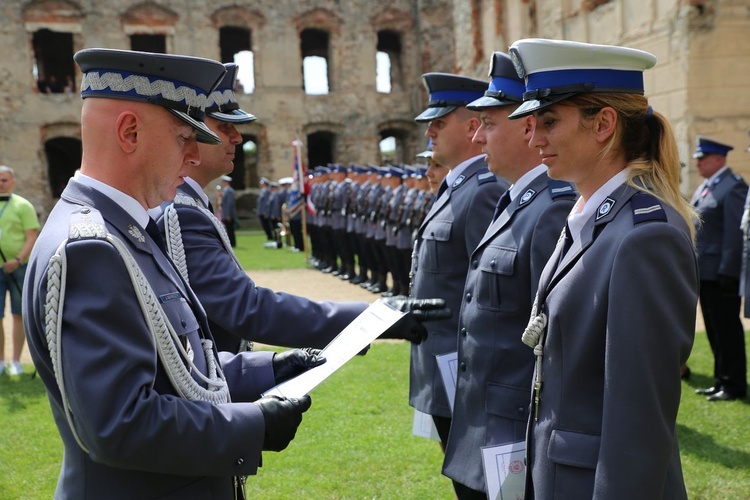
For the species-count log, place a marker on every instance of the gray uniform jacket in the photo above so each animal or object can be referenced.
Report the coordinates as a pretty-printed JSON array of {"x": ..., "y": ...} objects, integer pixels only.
[
  {"x": 236, "y": 307},
  {"x": 228, "y": 207},
  {"x": 719, "y": 238},
  {"x": 621, "y": 310},
  {"x": 495, "y": 367},
  {"x": 144, "y": 440},
  {"x": 451, "y": 231}
]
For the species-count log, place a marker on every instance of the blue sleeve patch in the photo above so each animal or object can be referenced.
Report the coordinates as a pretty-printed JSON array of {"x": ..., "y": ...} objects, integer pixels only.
[
  {"x": 484, "y": 176},
  {"x": 646, "y": 208},
  {"x": 561, "y": 188}
]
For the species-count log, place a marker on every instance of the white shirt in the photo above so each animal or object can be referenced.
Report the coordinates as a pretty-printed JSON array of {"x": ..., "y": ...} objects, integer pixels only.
[
  {"x": 456, "y": 171},
  {"x": 525, "y": 180},
  {"x": 576, "y": 220},
  {"x": 126, "y": 202}
]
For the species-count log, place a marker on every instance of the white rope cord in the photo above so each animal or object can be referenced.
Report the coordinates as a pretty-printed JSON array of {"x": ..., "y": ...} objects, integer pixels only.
[
  {"x": 176, "y": 248},
  {"x": 169, "y": 348}
]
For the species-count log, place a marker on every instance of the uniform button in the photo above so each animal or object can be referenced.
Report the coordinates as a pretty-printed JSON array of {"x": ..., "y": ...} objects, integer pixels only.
[
  {"x": 183, "y": 323},
  {"x": 463, "y": 367},
  {"x": 492, "y": 263},
  {"x": 521, "y": 410},
  {"x": 475, "y": 264},
  {"x": 85, "y": 211},
  {"x": 240, "y": 461},
  {"x": 468, "y": 297},
  {"x": 463, "y": 332}
]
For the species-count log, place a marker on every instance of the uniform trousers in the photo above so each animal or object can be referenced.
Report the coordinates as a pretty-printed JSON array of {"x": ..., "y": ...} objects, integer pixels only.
[{"x": 726, "y": 336}]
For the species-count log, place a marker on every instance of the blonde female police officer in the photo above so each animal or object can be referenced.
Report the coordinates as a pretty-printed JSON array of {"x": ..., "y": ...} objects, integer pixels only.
[{"x": 615, "y": 312}]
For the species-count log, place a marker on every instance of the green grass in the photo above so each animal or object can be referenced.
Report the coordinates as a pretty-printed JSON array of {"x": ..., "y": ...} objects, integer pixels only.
[
  {"x": 254, "y": 257},
  {"x": 356, "y": 441}
]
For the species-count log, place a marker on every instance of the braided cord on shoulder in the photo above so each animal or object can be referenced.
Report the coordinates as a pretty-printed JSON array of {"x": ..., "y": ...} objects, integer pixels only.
[{"x": 174, "y": 358}]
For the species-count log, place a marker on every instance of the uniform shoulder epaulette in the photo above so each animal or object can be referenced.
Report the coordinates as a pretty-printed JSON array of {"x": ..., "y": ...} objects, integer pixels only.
[
  {"x": 484, "y": 176},
  {"x": 559, "y": 188},
  {"x": 86, "y": 223},
  {"x": 647, "y": 208}
]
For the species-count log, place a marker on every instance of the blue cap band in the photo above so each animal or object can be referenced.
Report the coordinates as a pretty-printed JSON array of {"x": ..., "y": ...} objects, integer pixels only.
[
  {"x": 513, "y": 88},
  {"x": 600, "y": 78}
]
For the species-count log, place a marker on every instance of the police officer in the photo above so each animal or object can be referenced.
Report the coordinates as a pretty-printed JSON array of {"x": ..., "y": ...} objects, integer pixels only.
[
  {"x": 138, "y": 391},
  {"x": 492, "y": 384},
  {"x": 720, "y": 202},
  {"x": 614, "y": 316},
  {"x": 451, "y": 230}
]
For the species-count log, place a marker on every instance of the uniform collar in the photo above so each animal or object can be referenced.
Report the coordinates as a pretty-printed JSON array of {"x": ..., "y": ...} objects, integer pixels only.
[
  {"x": 576, "y": 220},
  {"x": 525, "y": 180},
  {"x": 456, "y": 171},
  {"x": 126, "y": 202}
]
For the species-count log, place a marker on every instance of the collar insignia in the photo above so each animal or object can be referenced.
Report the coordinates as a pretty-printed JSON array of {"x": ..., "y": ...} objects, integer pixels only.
[
  {"x": 605, "y": 208},
  {"x": 136, "y": 233},
  {"x": 526, "y": 197},
  {"x": 458, "y": 181}
]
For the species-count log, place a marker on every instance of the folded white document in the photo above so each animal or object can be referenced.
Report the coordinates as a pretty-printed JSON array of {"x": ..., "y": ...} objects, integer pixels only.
[{"x": 365, "y": 328}]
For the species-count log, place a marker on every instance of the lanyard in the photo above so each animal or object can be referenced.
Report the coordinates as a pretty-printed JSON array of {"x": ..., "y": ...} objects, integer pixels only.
[{"x": 6, "y": 205}]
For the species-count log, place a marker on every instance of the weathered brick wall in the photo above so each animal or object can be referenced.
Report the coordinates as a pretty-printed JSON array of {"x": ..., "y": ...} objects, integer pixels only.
[
  {"x": 354, "y": 111},
  {"x": 701, "y": 81}
]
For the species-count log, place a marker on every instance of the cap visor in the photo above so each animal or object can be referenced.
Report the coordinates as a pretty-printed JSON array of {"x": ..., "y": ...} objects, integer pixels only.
[
  {"x": 203, "y": 133},
  {"x": 430, "y": 114},
  {"x": 528, "y": 107},
  {"x": 698, "y": 155},
  {"x": 234, "y": 116},
  {"x": 488, "y": 102},
  {"x": 424, "y": 154}
]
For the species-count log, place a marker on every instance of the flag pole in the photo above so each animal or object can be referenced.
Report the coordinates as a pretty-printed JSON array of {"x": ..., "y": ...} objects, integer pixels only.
[{"x": 301, "y": 187}]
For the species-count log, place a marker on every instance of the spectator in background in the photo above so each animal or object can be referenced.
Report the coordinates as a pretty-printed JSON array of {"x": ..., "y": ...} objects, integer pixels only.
[
  {"x": 19, "y": 228},
  {"x": 228, "y": 208},
  {"x": 720, "y": 203}
]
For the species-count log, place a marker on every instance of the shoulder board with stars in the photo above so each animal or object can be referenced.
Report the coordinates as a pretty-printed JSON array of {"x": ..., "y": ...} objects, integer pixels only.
[{"x": 647, "y": 207}]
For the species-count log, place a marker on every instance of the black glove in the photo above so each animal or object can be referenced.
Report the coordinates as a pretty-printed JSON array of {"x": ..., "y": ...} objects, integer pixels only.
[
  {"x": 282, "y": 417},
  {"x": 410, "y": 326},
  {"x": 289, "y": 364},
  {"x": 421, "y": 309}
]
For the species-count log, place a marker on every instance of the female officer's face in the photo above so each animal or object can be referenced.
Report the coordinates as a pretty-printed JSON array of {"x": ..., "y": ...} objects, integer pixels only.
[{"x": 565, "y": 145}]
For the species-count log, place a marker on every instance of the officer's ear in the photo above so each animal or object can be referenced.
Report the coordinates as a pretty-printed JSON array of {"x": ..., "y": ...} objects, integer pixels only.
[
  {"x": 127, "y": 128},
  {"x": 604, "y": 124}
]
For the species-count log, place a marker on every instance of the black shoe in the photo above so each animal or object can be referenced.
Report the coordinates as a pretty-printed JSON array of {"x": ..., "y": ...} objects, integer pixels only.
[
  {"x": 723, "y": 396},
  {"x": 378, "y": 288},
  {"x": 685, "y": 372},
  {"x": 329, "y": 270},
  {"x": 366, "y": 284},
  {"x": 387, "y": 294},
  {"x": 356, "y": 280},
  {"x": 335, "y": 272},
  {"x": 708, "y": 391},
  {"x": 344, "y": 277}
]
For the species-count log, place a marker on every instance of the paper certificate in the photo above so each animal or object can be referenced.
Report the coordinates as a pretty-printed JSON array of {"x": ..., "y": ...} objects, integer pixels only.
[
  {"x": 365, "y": 328},
  {"x": 505, "y": 470},
  {"x": 424, "y": 426},
  {"x": 448, "y": 367}
]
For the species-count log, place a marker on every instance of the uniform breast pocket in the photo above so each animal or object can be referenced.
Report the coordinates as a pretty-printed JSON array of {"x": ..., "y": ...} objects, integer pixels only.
[
  {"x": 497, "y": 289},
  {"x": 436, "y": 256},
  {"x": 179, "y": 313}
]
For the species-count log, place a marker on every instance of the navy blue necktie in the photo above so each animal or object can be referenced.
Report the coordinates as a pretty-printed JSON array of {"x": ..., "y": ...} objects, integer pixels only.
[
  {"x": 502, "y": 204},
  {"x": 153, "y": 230},
  {"x": 442, "y": 188}
]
